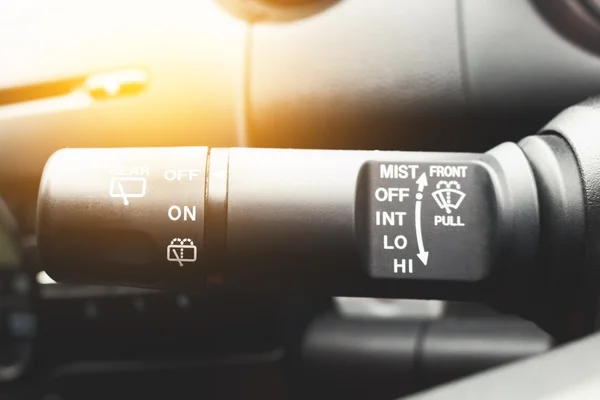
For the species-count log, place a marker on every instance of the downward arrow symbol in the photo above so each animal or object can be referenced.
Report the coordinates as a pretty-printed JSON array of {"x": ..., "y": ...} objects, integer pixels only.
[{"x": 423, "y": 255}]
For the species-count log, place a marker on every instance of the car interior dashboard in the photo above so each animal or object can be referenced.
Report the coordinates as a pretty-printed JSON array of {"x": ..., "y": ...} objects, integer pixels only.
[{"x": 392, "y": 75}]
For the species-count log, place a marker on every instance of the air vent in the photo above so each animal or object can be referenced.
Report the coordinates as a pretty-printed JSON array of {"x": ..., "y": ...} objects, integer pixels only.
[{"x": 71, "y": 93}]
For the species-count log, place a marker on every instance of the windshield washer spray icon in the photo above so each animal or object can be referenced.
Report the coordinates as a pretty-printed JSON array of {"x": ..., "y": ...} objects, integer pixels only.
[
  {"x": 448, "y": 195},
  {"x": 182, "y": 250}
]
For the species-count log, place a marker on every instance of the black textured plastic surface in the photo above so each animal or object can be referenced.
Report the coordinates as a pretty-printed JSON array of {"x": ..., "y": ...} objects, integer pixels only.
[
  {"x": 289, "y": 220},
  {"x": 424, "y": 220},
  {"x": 362, "y": 358},
  {"x": 124, "y": 216},
  {"x": 356, "y": 69},
  {"x": 516, "y": 60},
  {"x": 455, "y": 348},
  {"x": 579, "y": 126},
  {"x": 300, "y": 219},
  {"x": 554, "y": 295},
  {"x": 569, "y": 373},
  {"x": 384, "y": 358}
]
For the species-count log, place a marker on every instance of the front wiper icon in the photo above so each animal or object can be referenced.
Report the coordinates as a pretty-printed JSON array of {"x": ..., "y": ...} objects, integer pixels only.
[{"x": 448, "y": 196}]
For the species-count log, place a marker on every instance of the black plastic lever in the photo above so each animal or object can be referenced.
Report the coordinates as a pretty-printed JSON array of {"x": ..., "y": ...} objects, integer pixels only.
[{"x": 340, "y": 222}]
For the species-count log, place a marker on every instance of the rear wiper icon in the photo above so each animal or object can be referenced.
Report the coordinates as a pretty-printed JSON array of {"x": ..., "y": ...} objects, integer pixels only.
[{"x": 126, "y": 188}]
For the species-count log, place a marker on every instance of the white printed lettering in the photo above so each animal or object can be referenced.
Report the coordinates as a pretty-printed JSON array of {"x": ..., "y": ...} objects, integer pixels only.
[
  {"x": 400, "y": 243},
  {"x": 181, "y": 174},
  {"x": 389, "y": 194},
  {"x": 394, "y": 171},
  {"x": 128, "y": 170},
  {"x": 448, "y": 171},
  {"x": 175, "y": 213},
  {"x": 447, "y": 220},
  {"x": 391, "y": 218},
  {"x": 406, "y": 266}
]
